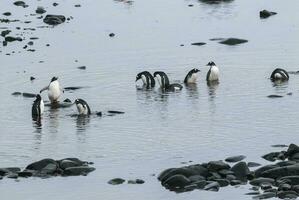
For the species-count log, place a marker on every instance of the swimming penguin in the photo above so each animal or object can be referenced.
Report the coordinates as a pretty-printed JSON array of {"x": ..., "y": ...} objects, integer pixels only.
[
  {"x": 54, "y": 90},
  {"x": 82, "y": 107},
  {"x": 279, "y": 75},
  {"x": 191, "y": 77},
  {"x": 213, "y": 73},
  {"x": 38, "y": 107},
  {"x": 147, "y": 78},
  {"x": 164, "y": 82}
]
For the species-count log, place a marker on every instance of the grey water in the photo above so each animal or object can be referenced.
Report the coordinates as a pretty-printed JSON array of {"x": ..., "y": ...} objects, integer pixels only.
[{"x": 157, "y": 131}]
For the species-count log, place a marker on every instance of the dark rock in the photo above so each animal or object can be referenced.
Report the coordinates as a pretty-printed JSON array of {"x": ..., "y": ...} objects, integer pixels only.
[
  {"x": 55, "y": 4},
  {"x": 222, "y": 182},
  {"x": 68, "y": 163},
  {"x": 235, "y": 182},
  {"x": 39, "y": 165},
  {"x": 233, "y": 41},
  {"x": 30, "y": 43},
  {"x": 287, "y": 194},
  {"x": 215, "y": 1},
  {"x": 20, "y": 3},
  {"x": 233, "y": 159},
  {"x": 196, "y": 178},
  {"x": 225, "y": 172},
  {"x": 77, "y": 5},
  {"x": 260, "y": 170},
  {"x": 286, "y": 163},
  {"x": 274, "y": 96},
  {"x": 261, "y": 180},
  {"x": 116, "y": 181},
  {"x": 176, "y": 182},
  {"x": 284, "y": 187},
  {"x": 82, "y": 67},
  {"x": 200, "y": 184},
  {"x": 293, "y": 149},
  {"x": 217, "y": 165},
  {"x": 136, "y": 181},
  {"x": 252, "y": 193},
  {"x": 231, "y": 177},
  {"x": 25, "y": 174},
  {"x": 12, "y": 175},
  {"x": 40, "y": 10},
  {"x": 271, "y": 156},
  {"x": 293, "y": 180},
  {"x": 5, "y": 33},
  {"x": 241, "y": 170},
  {"x": 295, "y": 188},
  {"x": 50, "y": 168},
  {"x": 266, "y": 186},
  {"x": 7, "y": 13},
  {"x": 16, "y": 94},
  {"x": 265, "y": 14},
  {"x": 54, "y": 19},
  {"x": 32, "y": 78},
  {"x": 281, "y": 171},
  {"x": 67, "y": 101},
  {"x": 213, "y": 186},
  {"x": 266, "y": 195},
  {"x": 77, "y": 171},
  {"x": 214, "y": 175},
  {"x": 12, "y": 39},
  {"x": 279, "y": 145},
  {"x": 115, "y": 112},
  {"x": 198, "y": 43},
  {"x": 72, "y": 88},
  {"x": 111, "y": 34},
  {"x": 253, "y": 164},
  {"x": 28, "y": 95}
]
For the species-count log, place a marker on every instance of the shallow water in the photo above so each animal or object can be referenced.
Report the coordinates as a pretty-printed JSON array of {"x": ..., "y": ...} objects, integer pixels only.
[{"x": 157, "y": 131}]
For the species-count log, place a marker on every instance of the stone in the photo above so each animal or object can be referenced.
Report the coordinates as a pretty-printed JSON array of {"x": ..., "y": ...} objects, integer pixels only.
[
  {"x": 265, "y": 14},
  {"x": 253, "y": 164},
  {"x": 77, "y": 171},
  {"x": 39, "y": 165},
  {"x": 241, "y": 171},
  {"x": 261, "y": 180},
  {"x": 217, "y": 165},
  {"x": 213, "y": 186},
  {"x": 176, "y": 182},
  {"x": 198, "y": 43},
  {"x": 20, "y": 3},
  {"x": 136, "y": 181},
  {"x": 233, "y": 41},
  {"x": 54, "y": 19},
  {"x": 281, "y": 171},
  {"x": 116, "y": 181},
  {"x": 40, "y": 10},
  {"x": 271, "y": 156},
  {"x": 266, "y": 195},
  {"x": 233, "y": 159}
]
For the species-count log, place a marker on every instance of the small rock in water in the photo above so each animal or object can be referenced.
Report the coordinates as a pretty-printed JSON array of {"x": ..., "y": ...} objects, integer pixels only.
[
  {"x": 111, "y": 34},
  {"x": 54, "y": 19},
  {"x": 198, "y": 43},
  {"x": 253, "y": 164},
  {"x": 32, "y": 78},
  {"x": 77, "y": 171},
  {"x": 233, "y": 159},
  {"x": 274, "y": 96},
  {"x": 20, "y": 3},
  {"x": 7, "y": 13},
  {"x": 77, "y": 5},
  {"x": 28, "y": 95},
  {"x": 233, "y": 41},
  {"x": 136, "y": 181},
  {"x": 116, "y": 181},
  {"x": 82, "y": 67},
  {"x": 55, "y": 4},
  {"x": 16, "y": 93},
  {"x": 279, "y": 145},
  {"x": 67, "y": 101},
  {"x": 265, "y": 14},
  {"x": 40, "y": 10}
]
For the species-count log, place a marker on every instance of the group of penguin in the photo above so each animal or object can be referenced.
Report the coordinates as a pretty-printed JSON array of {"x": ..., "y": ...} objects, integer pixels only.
[
  {"x": 149, "y": 80},
  {"x": 54, "y": 92}
]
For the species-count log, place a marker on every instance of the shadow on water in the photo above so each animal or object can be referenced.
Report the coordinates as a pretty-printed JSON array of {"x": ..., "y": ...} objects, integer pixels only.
[{"x": 192, "y": 90}]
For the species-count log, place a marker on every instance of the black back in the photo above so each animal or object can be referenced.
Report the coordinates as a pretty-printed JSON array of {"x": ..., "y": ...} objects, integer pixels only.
[
  {"x": 84, "y": 103},
  {"x": 164, "y": 78},
  {"x": 190, "y": 74}
]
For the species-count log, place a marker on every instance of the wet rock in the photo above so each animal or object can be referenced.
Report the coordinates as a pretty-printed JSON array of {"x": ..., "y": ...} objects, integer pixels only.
[
  {"x": 252, "y": 193},
  {"x": 12, "y": 39},
  {"x": 67, "y": 101},
  {"x": 12, "y": 175},
  {"x": 225, "y": 172},
  {"x": 68, "y": 163},
  {"x": 266, "y": 195},
  {"x": 176, "y": 182},
  {"x": 40, "y": 10},
  {"x": 272, "y": 96},
  {"x": 55, "y": 4},
  {"x": 116, "y": 181},
  {"x": 253, "y": 164},
  {"x": 265, "y": 14},
  {"x": 115, "y": 112},
  {"x": 287, "y": 194},
  {"x": 279, "y": 145},
  {"x": 213, "y": 186},
  {"x": 278, "y": 172},
  {"x": 16, "y": 94},
  {"x": 5, "y": 33},
  {"x": 293, "y": 149},
  {"x": 5, "y": 171},
  {"x": 200, "y": 184},
  {"x": 222, "y": 182},
  {"x": 77, "y": 5},
  {"x": 266, "y": 186},
  {"x": 284, "y": 187},
  {"x": 241, "y": 171},
  {"x": 231, "y": 177},
  {"x": 136, "y": 181},
  {"x": 39, "y": 165},
  {"x": 196, "y": 178},
  {"x": 54, "y": 19},
  {"x": 25, "y": 174},
  {"x": 77, "y": 171},
  {"x": 217, "y": 165},
  {"x": 111, "y": 34},
  {"x": 233, "y": 41},
  {"x": 198, "y": 43},
  {"x": 235, "y": 182},
  {"x": 215, "y": 1},
  {"x": 233, "y": 159},
  {"x": 7, "y": 13},
  {"x": 261, "y": 180},
  {"x": 295, "y": 188},
  {"x": 271, "y": 156},
  {"x": 72, "y": 88},
  {"x": 285, "y": 163},
  {"x": 293, "y": 180},
  {"x": 28, "y": 95},
  {"x": 20, "y": 3},
  {"x": 82, "y": 67}
]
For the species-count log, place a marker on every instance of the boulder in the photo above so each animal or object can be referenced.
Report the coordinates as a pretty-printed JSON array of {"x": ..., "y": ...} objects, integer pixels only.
[
  {"x": 233, "y": 159},
  {"x": 241, "y": 170},
  {"x": 116, "y": 181},
  {"x": 54, "y": 19},
  {"x": 77, "y": 171},
  {"x": 39, "y": 165}
]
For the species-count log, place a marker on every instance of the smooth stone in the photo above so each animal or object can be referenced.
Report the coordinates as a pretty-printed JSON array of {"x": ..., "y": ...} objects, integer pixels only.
[
  {"x": 12, "y": 39},
  {"x": 266, "y": 195},
  {"x": 116, "y": 181},
  {"x": 72, "y": 88},
  {"x": 272, "y": 96},
  {"x": 200, "y": 184},
  {"x": 233, "y": 159},
  {"x": 235, "y": 182},
  {"x": 51, "y": 169},
  {"x": 16, "y": 94},
  {"x": 214, "y": 186},
  {"x": 287, "y": 194},
  {"x": 233, "y": 41},
  {"x": 39, "y": 165},
  {"x": 12, "y": 175},
  {"x": 241, "y": 170},
  {"x": 231, "y": 177},
  {"x": 176, "y": 182},
  {"x": 261, "y": 180},
  {"x": 293, "y": 180},
  {"x": 265, "y": 14},
  {"x": 198, "y": 43},
  {"x": 54, "y": 19},
  {"x": 7, "y": 13},
  {"x": 222, "y": 182},
  {"x": 266, "y": 186},
  {"x": 252, "y": 193},
  {"x": 293, "y": 148},
  {"x": 67, "y": 163},
  {"x": 195, "y": 178},
  {"x": 136, "y": 181},
  {"x": 258, "y": 172},
  {"x": 40, "y": 10},
  {"x": 253, "y": 164},
  {"x": 25, "y": 174},
  {"x": 284, "y": 187},
  {"x": 271, "y": 156},
  {"x": 217, "y": 165},
  {"x": 82, "y": 67},
  {"x": 20, "y": 3},
  {"x": 281, "y": 171},
  {"x": 77, "y": 171},
  {"x": 225, "y": 172}
]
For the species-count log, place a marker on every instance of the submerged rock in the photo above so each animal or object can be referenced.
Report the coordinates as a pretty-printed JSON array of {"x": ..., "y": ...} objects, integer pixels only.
[
  {"x": 233, "y": 41},
  {"x": 198, "y": 43},
  {"x": 54, "y": 19},
  {"x": 116, "y": 181},
  {"x": 77, "y": 171},
  {"x": 265, "y": 14},
  {"x": 136, "y": 181},
  {"x": 40, "y": 10},
  {"x": 20, "y": 3},
  {"x": 233, "y": 159}
]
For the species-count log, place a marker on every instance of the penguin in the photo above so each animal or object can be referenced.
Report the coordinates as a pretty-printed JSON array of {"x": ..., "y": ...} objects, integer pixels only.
[
  {"x": 213, "y": 73},
  {"x": 38, "y": 107},
  {"x": 191, "y": 77},
  {"x": 279, "y": 75},
  {"x": 147, "y": 78},
  {"x": 164, "y": 82},
  {"x": 82, "y": 107},
  {"x": 54, "y": 90}
]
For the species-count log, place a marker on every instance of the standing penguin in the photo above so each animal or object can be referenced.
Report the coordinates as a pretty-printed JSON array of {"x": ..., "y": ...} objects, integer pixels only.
[
  {"x": 37, "y": 107},
  {"x": 164, "y": 82},
  {"x": 82, "y": 107},
  {"x": 213, "y": 73},
  {"x": 147, "y": 78},
  {"x": 191, "y": 77},
  {"x": 54, "y": 90},
  {"x": 279, "y": 75}
]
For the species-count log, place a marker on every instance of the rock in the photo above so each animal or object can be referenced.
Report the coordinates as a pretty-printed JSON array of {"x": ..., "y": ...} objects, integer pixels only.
[
  {"x": 54, "y": 19},
  {"x": 253, "y": 164},
  {"x": 82, "y": 67},
  {"x": 222, "y": 182},
  {"x": 233, "y": 41},
  {"x": 274, "y": 96},
  {"x": 287, "y": 194},
  {"x": 261, "y": 180},
  {"x": 235, "y": 182},
  {"x": 271, "y": 156},
  {"x": 39, "y": 165},
  {"x": 72, "y": 88},
  {"x": 116, "y": 181},
  {"x": 12, "y": 39},
  {"x": 55, "y": 4},
  {"x": 111, "y": 34},
  {"x": 293, "y": 180},
  {"x": 115, "y": 112},
  {"x": 231, "y": 177},
  {"x": 20, "y": 3},
  {"x": 260, "y": 170},
  {"x": 225, "y": 172},
  {"x": 213, "y": 186},
  {"x": 136, "y": 181},
  {"x": 16, "y": 94},
  {"x": 286, "y": 163},
  {"x": 25, "y": 174},
  {"x": 265, "y": 14},
  {"x": 5, "y": 33},
  {"x": 77, "y": 5},
  {"x": 200, "y": 184},
  {"x": 40, "y": 10},
  {"x": 279, "y": 145},
  {"x": 284, "y": 187},
  {"x": 196, "y": 178},
  {"x": 28, "y": 95},
  {"x": 217, "y": 165},
  {"x": 32, "y": 78},
  {"x": 241, "y": 170},
  {"x": 68, "y": 163},
  {"x": 266, "y": 195},
  {"x": 281, "y": 171},
  {"x": 233, "y": 159},
  {"x": 252, "y": 193},
  {"x": 296, "y": 188},
  {"x": 198, "y": 43},
  {"x": 293, "y": 149},
  {"x": 67, "y": 100},
  {"x": 215, "y": 1},
  {"x": 266, "y": 186},
  {"x": 77, "y": 171},
  {"x": 50, "y": 169},
  {"x": 7, "y": 13},
  {"x": 176, "y": 182},
  {"x": 12, "y": 175}
]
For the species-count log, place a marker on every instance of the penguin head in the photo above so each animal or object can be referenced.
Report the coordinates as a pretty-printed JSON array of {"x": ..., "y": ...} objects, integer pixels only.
[
  {"x": 38, "y": 97},
  {"x": 195, "y": 70},
  {"x": 138, "y": 76},
  {"x": 54, "y": 79},
  {"x": 211, "y": 64}
]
